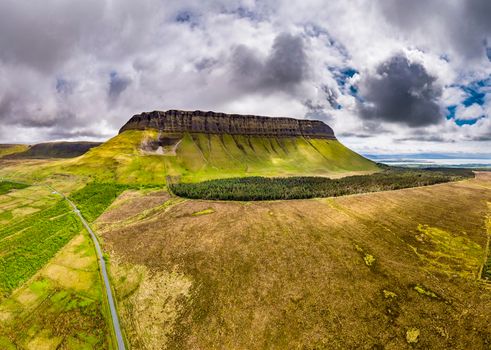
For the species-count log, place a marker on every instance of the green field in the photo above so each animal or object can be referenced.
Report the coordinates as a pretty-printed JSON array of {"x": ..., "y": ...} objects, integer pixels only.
[
  {"x": 28, "y": 244},
  {"x": 50, "y": 288},
  {"x": 94, "y": 198},
  {"x": 6, "y": 186}
]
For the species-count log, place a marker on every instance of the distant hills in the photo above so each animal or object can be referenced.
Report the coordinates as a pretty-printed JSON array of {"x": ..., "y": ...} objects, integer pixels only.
[{"x": 46, "y": 150}]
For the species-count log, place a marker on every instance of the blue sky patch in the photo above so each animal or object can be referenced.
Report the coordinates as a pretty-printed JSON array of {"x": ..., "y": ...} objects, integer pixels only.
[
  {"x": 342, "y": 75},
  {"x": 460, "y": 122},
  {"x": 451, "y": 112},
  {"x": 476, "y": 91}
]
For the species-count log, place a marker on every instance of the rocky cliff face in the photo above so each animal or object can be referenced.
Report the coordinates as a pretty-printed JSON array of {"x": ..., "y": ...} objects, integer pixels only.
[{"x": 175, "y": 121}]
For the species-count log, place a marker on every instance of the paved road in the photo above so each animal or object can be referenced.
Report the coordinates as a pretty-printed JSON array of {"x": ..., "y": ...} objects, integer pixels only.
[
  {"x": 102, "y": 264},
  {"x": 107, "y": 283}
]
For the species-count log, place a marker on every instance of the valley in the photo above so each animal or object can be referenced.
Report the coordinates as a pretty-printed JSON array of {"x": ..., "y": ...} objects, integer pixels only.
[{"x": 404, "y": 267}]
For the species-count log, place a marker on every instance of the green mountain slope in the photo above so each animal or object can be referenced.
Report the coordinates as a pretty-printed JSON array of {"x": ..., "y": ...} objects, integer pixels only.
[
  {"x": 127, "y": 158},
  {"x": 7, "y": 149},
  {"x": 54, "y": 150}
]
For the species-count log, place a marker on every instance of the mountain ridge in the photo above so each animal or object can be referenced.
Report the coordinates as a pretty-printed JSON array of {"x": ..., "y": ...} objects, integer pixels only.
[{"x": 234, "y": 124}]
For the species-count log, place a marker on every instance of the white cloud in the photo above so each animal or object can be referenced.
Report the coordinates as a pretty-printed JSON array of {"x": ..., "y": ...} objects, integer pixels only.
[{"x": 163, "y": 63}]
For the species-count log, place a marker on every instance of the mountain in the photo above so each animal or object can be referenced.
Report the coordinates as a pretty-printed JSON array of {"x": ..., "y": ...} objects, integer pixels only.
[
  {"x": 53, "y": 150},
  {"x": 7, "y": 149},
  {"x": 195, "y": 146}
]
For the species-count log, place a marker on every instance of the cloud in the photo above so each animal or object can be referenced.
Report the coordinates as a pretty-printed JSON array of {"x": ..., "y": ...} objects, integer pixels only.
[
  {"x": 284, "y": 68},
  {"x": 401, "y": 92},
  {"x": 80, "y": 70},
  {"x": 474, "y": 111},
  {"x": 117, "y": 84},
  {"x": 464, "y": 26}
]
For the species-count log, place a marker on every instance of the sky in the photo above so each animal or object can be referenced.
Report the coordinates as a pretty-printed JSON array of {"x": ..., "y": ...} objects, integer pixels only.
[{"x": 390, "y": 76}]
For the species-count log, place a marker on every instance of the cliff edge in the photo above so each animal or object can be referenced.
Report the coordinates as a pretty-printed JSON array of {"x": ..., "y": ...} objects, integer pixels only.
[{"x": 177, "y": 121}]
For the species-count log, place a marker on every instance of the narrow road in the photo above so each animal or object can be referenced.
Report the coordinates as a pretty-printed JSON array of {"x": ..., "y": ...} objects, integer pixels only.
[
  {"x": 102, "y": 264},
  {"x": 105, "y": 277}
]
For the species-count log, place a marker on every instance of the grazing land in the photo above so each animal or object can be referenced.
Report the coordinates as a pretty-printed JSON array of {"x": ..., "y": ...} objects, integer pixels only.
[
  {"x": 28, "y": 244},
  {"x": 51, "y": 295},
  {"x": 261, "y": 188},
  {"x": 94, "y": 198},
  {"x": 6, "y": 186},
  {"x": 395, "y": 270},
  {"x": 60, "y": 307},
  {"x": 400, "y": 269}
]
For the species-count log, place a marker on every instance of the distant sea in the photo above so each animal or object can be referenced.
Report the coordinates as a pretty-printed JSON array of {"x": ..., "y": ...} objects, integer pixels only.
[{"x": 421, "y": 160}]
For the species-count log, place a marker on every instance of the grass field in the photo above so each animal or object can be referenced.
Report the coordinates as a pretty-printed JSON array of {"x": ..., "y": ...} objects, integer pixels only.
[
  {"x": 28, "y": 244},
  {"x": 49, "y": 280},
  {"x": 394, "y": 270},
  {"x": 6, "y": 187},
  {"x": 60, "y": 307}
]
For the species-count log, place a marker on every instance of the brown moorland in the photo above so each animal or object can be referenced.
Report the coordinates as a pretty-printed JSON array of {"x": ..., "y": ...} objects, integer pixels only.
[{"x": 388, "y": 270}]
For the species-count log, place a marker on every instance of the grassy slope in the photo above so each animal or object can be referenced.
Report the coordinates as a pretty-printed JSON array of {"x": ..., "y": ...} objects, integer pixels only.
[
  {"x": 200, "y": 157},
  {"x": 394, "y": 270},
  {"x": 11, "y": 149},
  {"x": 55, "y": 150}
]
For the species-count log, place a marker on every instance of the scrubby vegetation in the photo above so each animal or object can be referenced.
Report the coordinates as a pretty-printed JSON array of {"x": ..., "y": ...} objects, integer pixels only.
[
  {"x": 7, "y": 186},
  {"x": 377, "y": 271},
  {"x": 261, "y": 188},
  {"x": 28, "y": 244}
]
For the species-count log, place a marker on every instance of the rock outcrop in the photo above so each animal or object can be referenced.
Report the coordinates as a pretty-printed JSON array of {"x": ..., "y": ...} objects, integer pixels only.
[{"x": 176, "y": 121}]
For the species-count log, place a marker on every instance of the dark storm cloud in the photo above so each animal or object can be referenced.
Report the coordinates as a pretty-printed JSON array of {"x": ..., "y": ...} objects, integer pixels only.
[
  {"x": 401, "y": 92},
  {"x": 117, "y": 84},
  {"x": 465, "y": 25},
  {"x": 284, "y": 67},
  {"x": 40, "y": 35}
]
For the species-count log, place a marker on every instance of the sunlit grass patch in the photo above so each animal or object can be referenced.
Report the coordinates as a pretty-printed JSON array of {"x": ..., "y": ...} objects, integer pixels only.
[
  {"x": 204, "y": 212},
  {"x": 448, "y": 252},
  {"x": 6, "y": 186},
  {"x": 424, "y": 291}
]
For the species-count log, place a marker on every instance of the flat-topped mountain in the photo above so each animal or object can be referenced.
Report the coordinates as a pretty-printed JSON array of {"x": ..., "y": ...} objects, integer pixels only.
[
  {"x": 177, "y": 121},
  {"x": 195, "y": 146}
]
